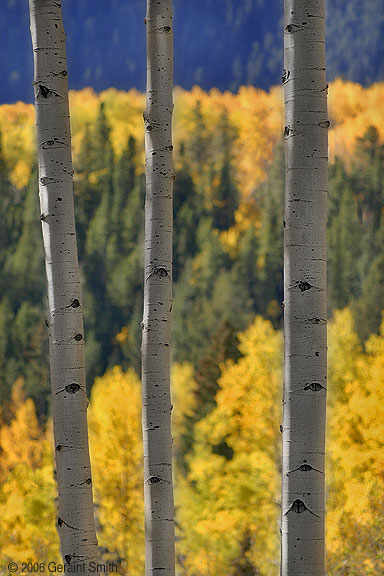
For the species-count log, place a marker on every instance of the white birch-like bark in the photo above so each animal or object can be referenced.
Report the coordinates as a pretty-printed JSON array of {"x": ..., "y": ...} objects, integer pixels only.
[
  {"x": 76, "y": 524},
  {"x": 305, "y": 314},
  {"x": 156, "y": 326}
]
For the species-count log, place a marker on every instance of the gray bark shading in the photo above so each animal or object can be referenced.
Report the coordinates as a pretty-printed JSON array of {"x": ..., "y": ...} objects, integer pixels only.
[
  {"x": 156, "y": 325},
  {"x": 75, "y": 520},
  {"x": 305, "y": 314}
]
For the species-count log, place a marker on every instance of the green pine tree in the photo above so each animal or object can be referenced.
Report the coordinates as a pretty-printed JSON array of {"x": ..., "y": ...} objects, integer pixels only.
[
  {"x": 344, "y": 239},
  {"x": 271, "y": 240},
  {"x": 98, "y": 312},
  {"x": 85, "y": 197},
  {"x": 226, "y": 197},
  {"x": 187, "y": 211}
]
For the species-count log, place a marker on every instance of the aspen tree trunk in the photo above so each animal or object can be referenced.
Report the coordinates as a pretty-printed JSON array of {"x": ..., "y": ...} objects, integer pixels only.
[
  {"x": 305, "y": 320},
  {"x": 76, "y": 524},
  {"x": 156, "y": 326}
]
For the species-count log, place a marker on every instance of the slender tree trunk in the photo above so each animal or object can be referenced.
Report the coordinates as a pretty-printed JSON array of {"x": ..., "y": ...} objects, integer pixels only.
[
  {"x": 305, "y": 320},
  {"x": 156, "y": 326},
  {"x": 76, "y": 524}
]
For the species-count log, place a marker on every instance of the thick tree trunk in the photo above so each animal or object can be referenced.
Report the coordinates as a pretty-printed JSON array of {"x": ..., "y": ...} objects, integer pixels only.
[
  {"x": 76, "y": 524},
  {"x": 305, "y": 320},
  {"x": 156, "y": 326}
]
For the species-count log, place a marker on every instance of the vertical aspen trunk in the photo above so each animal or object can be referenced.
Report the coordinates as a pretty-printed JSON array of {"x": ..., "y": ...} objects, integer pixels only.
[
  {"x": 76, "y": 524},
  {"x": 305, "y": 320},
  {"x": 156, "y": 326}
]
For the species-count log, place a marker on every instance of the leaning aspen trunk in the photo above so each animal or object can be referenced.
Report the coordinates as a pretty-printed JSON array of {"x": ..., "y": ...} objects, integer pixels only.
[
  {"x": 305, "y": 320},
  {"x": 76, "y": 524},
  {"x": 156, "y": 326}
]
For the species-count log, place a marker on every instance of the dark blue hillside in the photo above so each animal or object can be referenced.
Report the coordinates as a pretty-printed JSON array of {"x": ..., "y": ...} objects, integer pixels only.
[{"x": 222, "y": 43}]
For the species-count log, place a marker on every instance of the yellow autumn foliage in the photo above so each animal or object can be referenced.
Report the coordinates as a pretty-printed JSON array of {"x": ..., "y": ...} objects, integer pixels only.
[
  {"x": 254, "y": 115},
  {"x": 183, "y": 388},
  {"x": 17, "y": 123},
  {"x": 227, "y": 502},
  {"x": 228, "y": 509},
  {"x": 21, "y": 440},
  {"x": 28, "y": 489},
  {"x": 124, "y": 113},
  {"x": 355, "y": 445},
  {"x": 352, "y": 108},
  {"x": 116, "y": 458},
  {"x": 345, "y": 356}
]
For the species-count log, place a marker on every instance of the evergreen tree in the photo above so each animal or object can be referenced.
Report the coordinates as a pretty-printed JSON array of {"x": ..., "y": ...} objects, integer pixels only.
[
  {"x": 10, "y": 214},
  {"x": 225, "y": 200},
  {"x": 24, "y": 337},
  {"x": 132, "y": 225},
  {"x": 368, "y": 174},
  {"x": 344, "y": 239},
  {"x": 366, "y": 178},
  {"x": 223, "y": 347},
  {"x": 86, "y": 199},
  {"x": 246, "y": 273},
  {"x": 199, "y": 142},
  {"x": 29, "y": 359},
  {"x": 194, "y": 309},
  {"x": 98, "y": 314},
  {"x": 187, "y": 211},
  {"x": 369, "y": 307},
  {"x": 125, "y": 180},
  {"x": 103, "y": 156},
  {"x": 270, "y": 254},
  {"x": 8, "y": 362},
  {"x": 126, "y": 224},
  {"x": 124, "y": 259},
  {"x": 26, "y": 266}
]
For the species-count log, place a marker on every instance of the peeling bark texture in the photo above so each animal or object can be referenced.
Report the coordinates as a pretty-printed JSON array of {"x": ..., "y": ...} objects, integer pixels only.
[
  {"x": 305, "y": 326},
  {"x": 75, "y": 521},
  {"x": 156, "y": 325}
]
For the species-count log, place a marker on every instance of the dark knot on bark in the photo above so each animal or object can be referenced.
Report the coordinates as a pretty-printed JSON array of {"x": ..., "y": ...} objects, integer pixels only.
[
  {"x": 298, "y": 506},
  {"x": 72, "y": 388},
  {"x": 304, "y": 286}
]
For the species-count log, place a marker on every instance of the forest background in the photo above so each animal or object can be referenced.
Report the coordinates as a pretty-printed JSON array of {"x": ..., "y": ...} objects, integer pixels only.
[{"x": 228, "y": 291}]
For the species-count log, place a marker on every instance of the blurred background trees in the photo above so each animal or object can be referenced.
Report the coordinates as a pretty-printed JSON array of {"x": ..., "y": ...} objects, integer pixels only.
[
  {"x": 246, "y": 48},
  {"x": 228, "y": 216}
]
